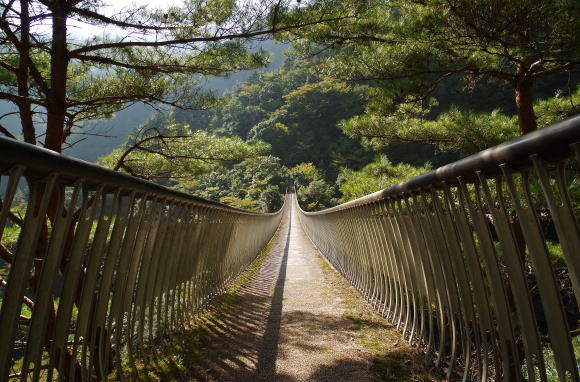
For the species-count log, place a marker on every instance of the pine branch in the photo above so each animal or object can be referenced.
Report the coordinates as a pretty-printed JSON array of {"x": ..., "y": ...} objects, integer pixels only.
[
  {"x": 184, "y": 41},
  {"x": 123, "y": 24}
]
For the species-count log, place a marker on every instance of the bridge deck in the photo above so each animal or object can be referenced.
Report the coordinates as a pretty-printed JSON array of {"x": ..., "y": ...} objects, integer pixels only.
[{"x": 298, "y": 320}]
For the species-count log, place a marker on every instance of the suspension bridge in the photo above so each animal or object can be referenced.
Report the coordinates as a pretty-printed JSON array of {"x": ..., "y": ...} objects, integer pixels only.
[{"x": 476, "y": 264}]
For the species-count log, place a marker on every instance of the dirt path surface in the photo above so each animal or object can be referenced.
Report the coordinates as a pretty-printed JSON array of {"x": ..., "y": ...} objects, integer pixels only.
[
  {"x": 288, "y": 327},
  {"x": 293, "y": 321}
]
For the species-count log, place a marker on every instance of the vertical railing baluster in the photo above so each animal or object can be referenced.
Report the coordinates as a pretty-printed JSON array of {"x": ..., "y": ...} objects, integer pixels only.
[
  {"x": 44, "y": 296},
  {"x": 63, "y": 359},
  {"x": 88, "y": 298},
  {"x": 547, "y": 285},
  {"x": 39, "y": 197}
]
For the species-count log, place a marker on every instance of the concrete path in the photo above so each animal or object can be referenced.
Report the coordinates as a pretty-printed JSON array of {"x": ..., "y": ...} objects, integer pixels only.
[{"x": 287, "y": 323}]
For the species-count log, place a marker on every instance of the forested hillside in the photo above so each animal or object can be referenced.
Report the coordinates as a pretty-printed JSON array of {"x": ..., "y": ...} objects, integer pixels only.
[
  {"x": 296, "y": 113},
  {"x": 306, "y": 121},
  {"x": 99, "y": 137},
  {"x": 370, "y": 94}
]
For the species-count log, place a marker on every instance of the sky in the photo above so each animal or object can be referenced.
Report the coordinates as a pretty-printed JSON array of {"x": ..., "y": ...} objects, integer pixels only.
[{"x": 111, "y": 7}]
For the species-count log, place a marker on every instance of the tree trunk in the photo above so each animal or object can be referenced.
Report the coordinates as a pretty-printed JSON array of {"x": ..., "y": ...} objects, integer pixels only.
[
  {"x": 56, "y": 100},
  {"x": 524, "y": 89},
  {"x": 56, "y": 110},
  {"x": 23, "y": 88}
]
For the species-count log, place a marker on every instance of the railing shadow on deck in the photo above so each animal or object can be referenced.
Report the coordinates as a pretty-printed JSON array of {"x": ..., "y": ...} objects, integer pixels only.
[
  {"x": 268, "y": 351},
  {"x": 237, "y": 337}
]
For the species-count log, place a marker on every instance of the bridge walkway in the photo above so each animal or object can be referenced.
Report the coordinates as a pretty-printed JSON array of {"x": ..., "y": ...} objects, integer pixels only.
[{"x": 298, "y": 320}]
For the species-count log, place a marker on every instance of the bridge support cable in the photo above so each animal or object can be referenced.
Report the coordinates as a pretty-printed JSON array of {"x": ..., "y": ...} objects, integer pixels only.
[
  {"x": 95, "y": 265},
  {"x": 477, "y": 261}
]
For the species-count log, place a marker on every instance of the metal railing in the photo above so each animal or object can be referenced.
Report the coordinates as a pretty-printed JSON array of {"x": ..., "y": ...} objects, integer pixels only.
[
  {"x": 96, "y": 265},
  {"x": 478, "y": 261}
]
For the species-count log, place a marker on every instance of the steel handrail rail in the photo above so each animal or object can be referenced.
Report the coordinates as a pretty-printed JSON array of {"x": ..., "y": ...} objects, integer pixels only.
[
  {"x": 40, "y": 161},
  {"x": 551, "y": 143},
  {"x": 477, "y": 261}
]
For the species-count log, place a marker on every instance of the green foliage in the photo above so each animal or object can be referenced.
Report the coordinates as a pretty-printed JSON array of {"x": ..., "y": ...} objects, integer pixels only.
[
  {"x": 376, "y": 176},
  {"x": 296, "y": 112},
  {"x": 304, "y": 127},
  {"x": 304, "y": 173},
  {"x": 557, "y": 108},
  {"x": 243, "y": 204},
  {"x": 103, "y": 94},
  {"x": 313, "y": 193},
  {"x": 116, "y": 56},
  {"x": 461, "y": 28},
  {"x": 413, "y": 44},
  {"x": 12, "y": 230},
  {"x": 258, "y": 97},
  {"x": 463, "y": 131},
  {"x": 551, "y": 367},
  {"x": 409, "y": 50},
  {"x": 178, "y": 154},
  {"x": 317, "y": 195},
  {"x": 259, "y": 184},
  {"x": 10, "y": 237},
  {"x": 256, "y": 184},
  {"x": 291, "y": 109}
]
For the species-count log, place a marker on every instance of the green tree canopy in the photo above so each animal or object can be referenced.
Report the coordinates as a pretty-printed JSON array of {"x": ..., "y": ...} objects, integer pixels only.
[
  {"x": 256, "y": 184},
  {"x": 312, "y": 191},
  {"x": 463, "y": 131},
  {"x": 411, "y": 47},
  {"x": 376, "y": 176},
  {"x": 297, "y": 113},
  {"x": 57, "y": 77},
  {"x": 177, "y": 154}
]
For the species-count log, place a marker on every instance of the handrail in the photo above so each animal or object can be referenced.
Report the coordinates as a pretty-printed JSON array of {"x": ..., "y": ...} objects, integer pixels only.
[
  {"x": 40, "y": 161},
  {"x": 551, "y": 143},
  {"x": 102, "y": 265},
  {"x": 477, "y": 261}
]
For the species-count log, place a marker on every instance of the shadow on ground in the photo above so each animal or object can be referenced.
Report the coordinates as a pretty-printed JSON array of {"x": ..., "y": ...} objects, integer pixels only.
[{"x": 237, "y": 338}]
